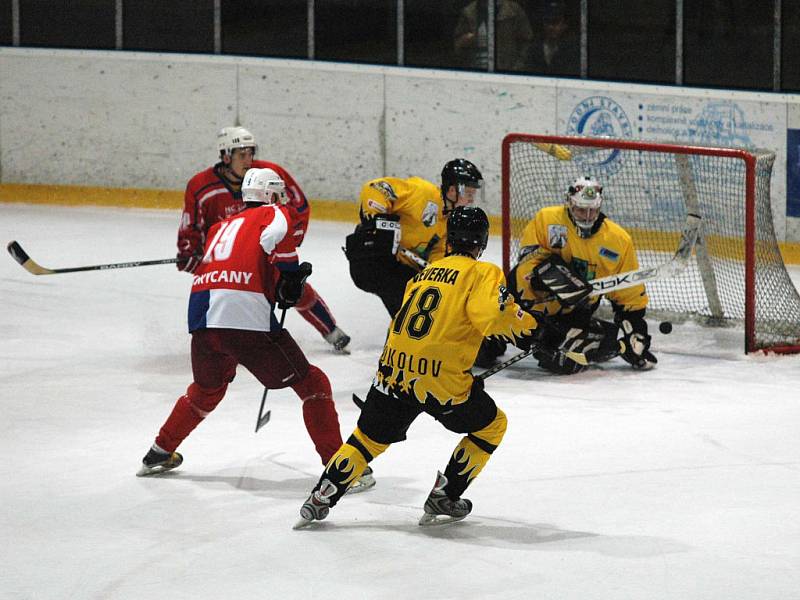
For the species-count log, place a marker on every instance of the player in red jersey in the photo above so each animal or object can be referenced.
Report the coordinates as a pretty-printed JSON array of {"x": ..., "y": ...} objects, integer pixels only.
[
  {"x": 215, "y": 194},
  {"x": 249, "y": 266}
]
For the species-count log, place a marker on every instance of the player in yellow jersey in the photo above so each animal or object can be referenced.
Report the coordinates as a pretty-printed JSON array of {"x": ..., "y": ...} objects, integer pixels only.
[
  {"x": 447, "y": 310},
  {"x": 562, "y": 248},
  {"x": 402, "y": 218}
]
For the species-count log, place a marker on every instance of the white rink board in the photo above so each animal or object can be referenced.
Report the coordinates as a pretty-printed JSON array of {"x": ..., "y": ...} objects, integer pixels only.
[{"x": 149, "y": 120}]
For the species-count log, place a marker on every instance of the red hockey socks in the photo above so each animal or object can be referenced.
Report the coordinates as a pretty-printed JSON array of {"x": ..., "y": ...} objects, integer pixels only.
[
  {"x": 189, "y": 410},
  {"x": 319, "y": 412}
]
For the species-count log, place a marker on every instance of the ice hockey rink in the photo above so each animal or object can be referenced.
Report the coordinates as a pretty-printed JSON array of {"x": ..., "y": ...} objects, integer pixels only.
[{"x": 678, "y": 483}]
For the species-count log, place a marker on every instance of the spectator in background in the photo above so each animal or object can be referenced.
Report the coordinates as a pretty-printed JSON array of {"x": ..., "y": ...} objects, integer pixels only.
[
  {"x": 513, "y": 36},
  {"x": 557, "y": 51}
]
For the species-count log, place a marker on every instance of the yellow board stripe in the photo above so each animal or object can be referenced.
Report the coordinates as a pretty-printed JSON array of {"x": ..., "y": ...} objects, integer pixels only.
[{"x": 325, "y": 210}]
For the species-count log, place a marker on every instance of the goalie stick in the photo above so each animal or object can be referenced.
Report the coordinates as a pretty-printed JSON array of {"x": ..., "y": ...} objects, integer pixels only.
[
  {"x": 621, "y": 281},
  {"x": 30, "y": 265},
  {"x": 671, "y": 268}
]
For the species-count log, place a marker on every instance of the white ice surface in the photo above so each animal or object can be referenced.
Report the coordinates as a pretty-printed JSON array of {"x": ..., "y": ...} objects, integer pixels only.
[{"x": 682, "y": 482}]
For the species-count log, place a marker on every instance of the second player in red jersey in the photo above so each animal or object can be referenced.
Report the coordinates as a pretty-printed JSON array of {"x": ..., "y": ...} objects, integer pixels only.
[{"x": 215, "y": 194}]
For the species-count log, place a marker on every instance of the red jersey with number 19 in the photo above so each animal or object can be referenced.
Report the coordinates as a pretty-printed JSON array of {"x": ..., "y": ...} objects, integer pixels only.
[{"x": 234, "y": 286}]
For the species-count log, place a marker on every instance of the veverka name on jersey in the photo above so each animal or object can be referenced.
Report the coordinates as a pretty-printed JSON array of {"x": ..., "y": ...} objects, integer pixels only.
[
  {"x": 223, "y": 277},
  {"x": 408, "y": 362},
  {"x": 438, "y": 274}
]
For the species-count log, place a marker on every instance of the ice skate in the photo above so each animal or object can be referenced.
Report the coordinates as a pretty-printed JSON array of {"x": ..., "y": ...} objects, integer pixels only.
[
  {"x": 363, "y": 483},
  {"x": 157, "y": 461},
  {"x": 339, "y": 340},
  {"x": 441, "y": 510},
  {"x": 317, "y": 507}
]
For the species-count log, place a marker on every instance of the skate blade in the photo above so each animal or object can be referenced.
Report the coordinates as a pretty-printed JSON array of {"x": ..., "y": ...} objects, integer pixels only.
[
  {"x": 428, "y": 520},
  {"x": 146, "y": 471},
  {"x": 302, "y": 523},
  {"x": 361, "y": 486},
  {"x": 343, "y": 351}
]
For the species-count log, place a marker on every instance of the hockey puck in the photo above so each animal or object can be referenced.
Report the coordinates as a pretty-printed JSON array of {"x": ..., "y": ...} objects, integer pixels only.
[{"x": 665, "y": 327}]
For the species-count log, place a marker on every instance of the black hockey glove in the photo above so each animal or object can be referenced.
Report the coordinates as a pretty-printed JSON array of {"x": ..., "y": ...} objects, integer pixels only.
[
  {"x": 289, "y": 288},
  {"x": 555, "y": 276},
  {"x": 635, "y": 344},
  {"x": 491, "y": 348},
  {"x": 374, "y": 238}
]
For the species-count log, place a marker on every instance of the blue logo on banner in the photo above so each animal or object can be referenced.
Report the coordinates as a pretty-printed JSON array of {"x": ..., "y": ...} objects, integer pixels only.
[
  {"x": 721, "y": 123},
  {"x": 600, "y": 116}
]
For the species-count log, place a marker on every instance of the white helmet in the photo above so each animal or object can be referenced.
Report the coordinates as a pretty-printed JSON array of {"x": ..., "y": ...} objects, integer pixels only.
[
  {"x": 235, "y": 137},
  {"x": 583, "y": 199},
  {"x": 263, "y": 186}
]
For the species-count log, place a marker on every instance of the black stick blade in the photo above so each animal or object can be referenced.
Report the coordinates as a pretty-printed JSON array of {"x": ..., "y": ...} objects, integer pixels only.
[
  {"x": 19, "y": 255},
  {"x": 16, "y": 252}
]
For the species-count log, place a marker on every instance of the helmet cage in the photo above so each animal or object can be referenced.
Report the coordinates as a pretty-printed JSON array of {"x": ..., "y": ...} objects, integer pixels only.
[{"x": 584, "y": 199}]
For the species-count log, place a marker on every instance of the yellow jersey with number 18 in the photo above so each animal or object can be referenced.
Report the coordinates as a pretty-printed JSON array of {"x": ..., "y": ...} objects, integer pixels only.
[{"x": 448, "y": 308}]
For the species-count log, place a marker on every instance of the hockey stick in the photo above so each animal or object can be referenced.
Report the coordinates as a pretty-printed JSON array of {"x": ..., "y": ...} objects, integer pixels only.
[
  {"x": 578, "y": 357},
  {"x": 671, "y": 268},
  {"x": 263, "y": 420},
  {"x": 30, "y": 265},
  {"x": 413, "y": 257},
  {"x": 305, "y": 270}
]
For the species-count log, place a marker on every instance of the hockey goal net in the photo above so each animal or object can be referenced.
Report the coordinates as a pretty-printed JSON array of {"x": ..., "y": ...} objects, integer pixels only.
[{"x": 736, "y": 274}]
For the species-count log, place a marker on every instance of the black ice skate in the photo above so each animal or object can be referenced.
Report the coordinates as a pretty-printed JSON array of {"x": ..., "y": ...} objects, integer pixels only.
[
  {"x": 157, "y": 461},
  {"x": 317, "y": 507},
  {"x": 339, "y": 340},
  {"x": 439, "y": 509}
]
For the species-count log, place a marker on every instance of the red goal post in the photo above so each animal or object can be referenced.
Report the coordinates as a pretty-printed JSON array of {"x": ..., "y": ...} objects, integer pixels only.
[{"x": 736, "y": 274}]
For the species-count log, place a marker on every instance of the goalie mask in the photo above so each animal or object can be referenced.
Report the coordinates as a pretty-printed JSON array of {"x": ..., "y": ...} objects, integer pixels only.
[
  {"x": 583, "y": 199},
  {"x": 467, "y": 181},
  {"x": 263, "y": 186},
  {"x": 467, "y": 230},
  {"x": 230, "y": 138}
]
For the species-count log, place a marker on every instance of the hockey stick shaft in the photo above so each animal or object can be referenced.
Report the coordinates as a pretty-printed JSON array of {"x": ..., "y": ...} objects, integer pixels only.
[
  {"x": 263, "y": 420},
  {"x": 578, "y": 357},
  {"x": 671, "y": 268},
  {"x": 305, "y": 270},
  {"x": 665, "y": 270},
  {"x": 413, "y": 257},
  {"x": 30, "y": 265}
]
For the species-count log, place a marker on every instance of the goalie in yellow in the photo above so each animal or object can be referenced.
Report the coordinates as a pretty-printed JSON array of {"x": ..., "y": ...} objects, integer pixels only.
[
  {"x": 447, "y": 310},
  {"x": 563, "y": 248}
]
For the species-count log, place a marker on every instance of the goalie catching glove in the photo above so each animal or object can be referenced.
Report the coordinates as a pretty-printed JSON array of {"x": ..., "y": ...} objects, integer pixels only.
[
  {"x": 554, "y": 275},
  {"x": 289, "y": 288},
  {"x": 635, "y": 345}
]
